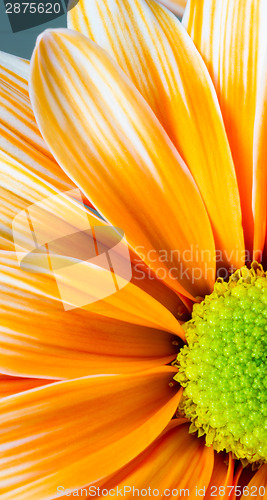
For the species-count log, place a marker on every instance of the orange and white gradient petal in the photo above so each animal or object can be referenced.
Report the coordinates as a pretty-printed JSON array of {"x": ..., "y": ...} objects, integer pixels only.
[
  {"x": 155, "y": 51},
  {"x": 142, "y": 277},
  {"x": 15, "y": 70},
  {"x": 231, "y": 36},
  {"x": 110, "y": 142},
  {"x": 20, "y": 138},
  {"x": 10, "y": 206},
  {"x": 20, "y": 186},
  {"x": 28, "y": 171},
  {"x": 128, "y": 331},
  {"x": 78, "y": 431},
  {"x": 58, "y": 234}
]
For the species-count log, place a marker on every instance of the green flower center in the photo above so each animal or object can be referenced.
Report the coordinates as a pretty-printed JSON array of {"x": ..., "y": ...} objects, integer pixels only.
[{"x": 223, "y": 368}]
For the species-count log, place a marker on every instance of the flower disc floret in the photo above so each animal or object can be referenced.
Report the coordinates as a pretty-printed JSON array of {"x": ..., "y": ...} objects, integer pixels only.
[{"x": 223, "y": 369}]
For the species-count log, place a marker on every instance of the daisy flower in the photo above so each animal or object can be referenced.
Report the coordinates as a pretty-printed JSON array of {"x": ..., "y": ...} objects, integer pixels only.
[{"x": 160, "y": 387}]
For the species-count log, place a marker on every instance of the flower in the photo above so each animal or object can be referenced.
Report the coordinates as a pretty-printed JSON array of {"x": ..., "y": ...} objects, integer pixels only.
[{"x": 163, "y": 130}]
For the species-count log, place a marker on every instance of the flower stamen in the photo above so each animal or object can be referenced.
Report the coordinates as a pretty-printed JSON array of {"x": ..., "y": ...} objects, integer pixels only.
[{"x": 223, "y": 369}]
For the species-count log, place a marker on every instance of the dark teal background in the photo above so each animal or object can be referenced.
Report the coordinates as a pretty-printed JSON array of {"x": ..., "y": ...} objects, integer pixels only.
[{"x": 22, "y": 43}]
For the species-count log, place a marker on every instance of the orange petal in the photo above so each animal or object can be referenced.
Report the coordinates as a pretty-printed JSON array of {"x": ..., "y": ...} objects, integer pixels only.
[
  {"x": 13, "y": 204},
  {"x": 154, "y": 50},
  {"x": 121, "y": 153},
  {"x": 242, "y": 477},
  {"x": 99, "y": 338},
  {"x": 222, "y": 476},
  {"x": 257, "y": 486},
  {"x": 12, "y": 385},
  {"x": 4, "y": 243},
  {"x": 145, "y": 279},
  {"x": 231, "y": 36},
  {"x": 19, "y": 188},
  {"x": 39, "y": 228},
  {"x": 15, "y": 71},
  {"x": 259, "y": 198},
  {"x": 10, "y": 206},
  {"x": 79, "y": 264},
  {"x": 175, "y": 465},
  {"x": 20, "y": 138},
  {"x": 75, "y": 432}
]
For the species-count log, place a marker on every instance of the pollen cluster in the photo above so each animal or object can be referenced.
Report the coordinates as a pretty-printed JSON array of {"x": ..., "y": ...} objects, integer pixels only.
[{"x": 224, "y": 366}]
